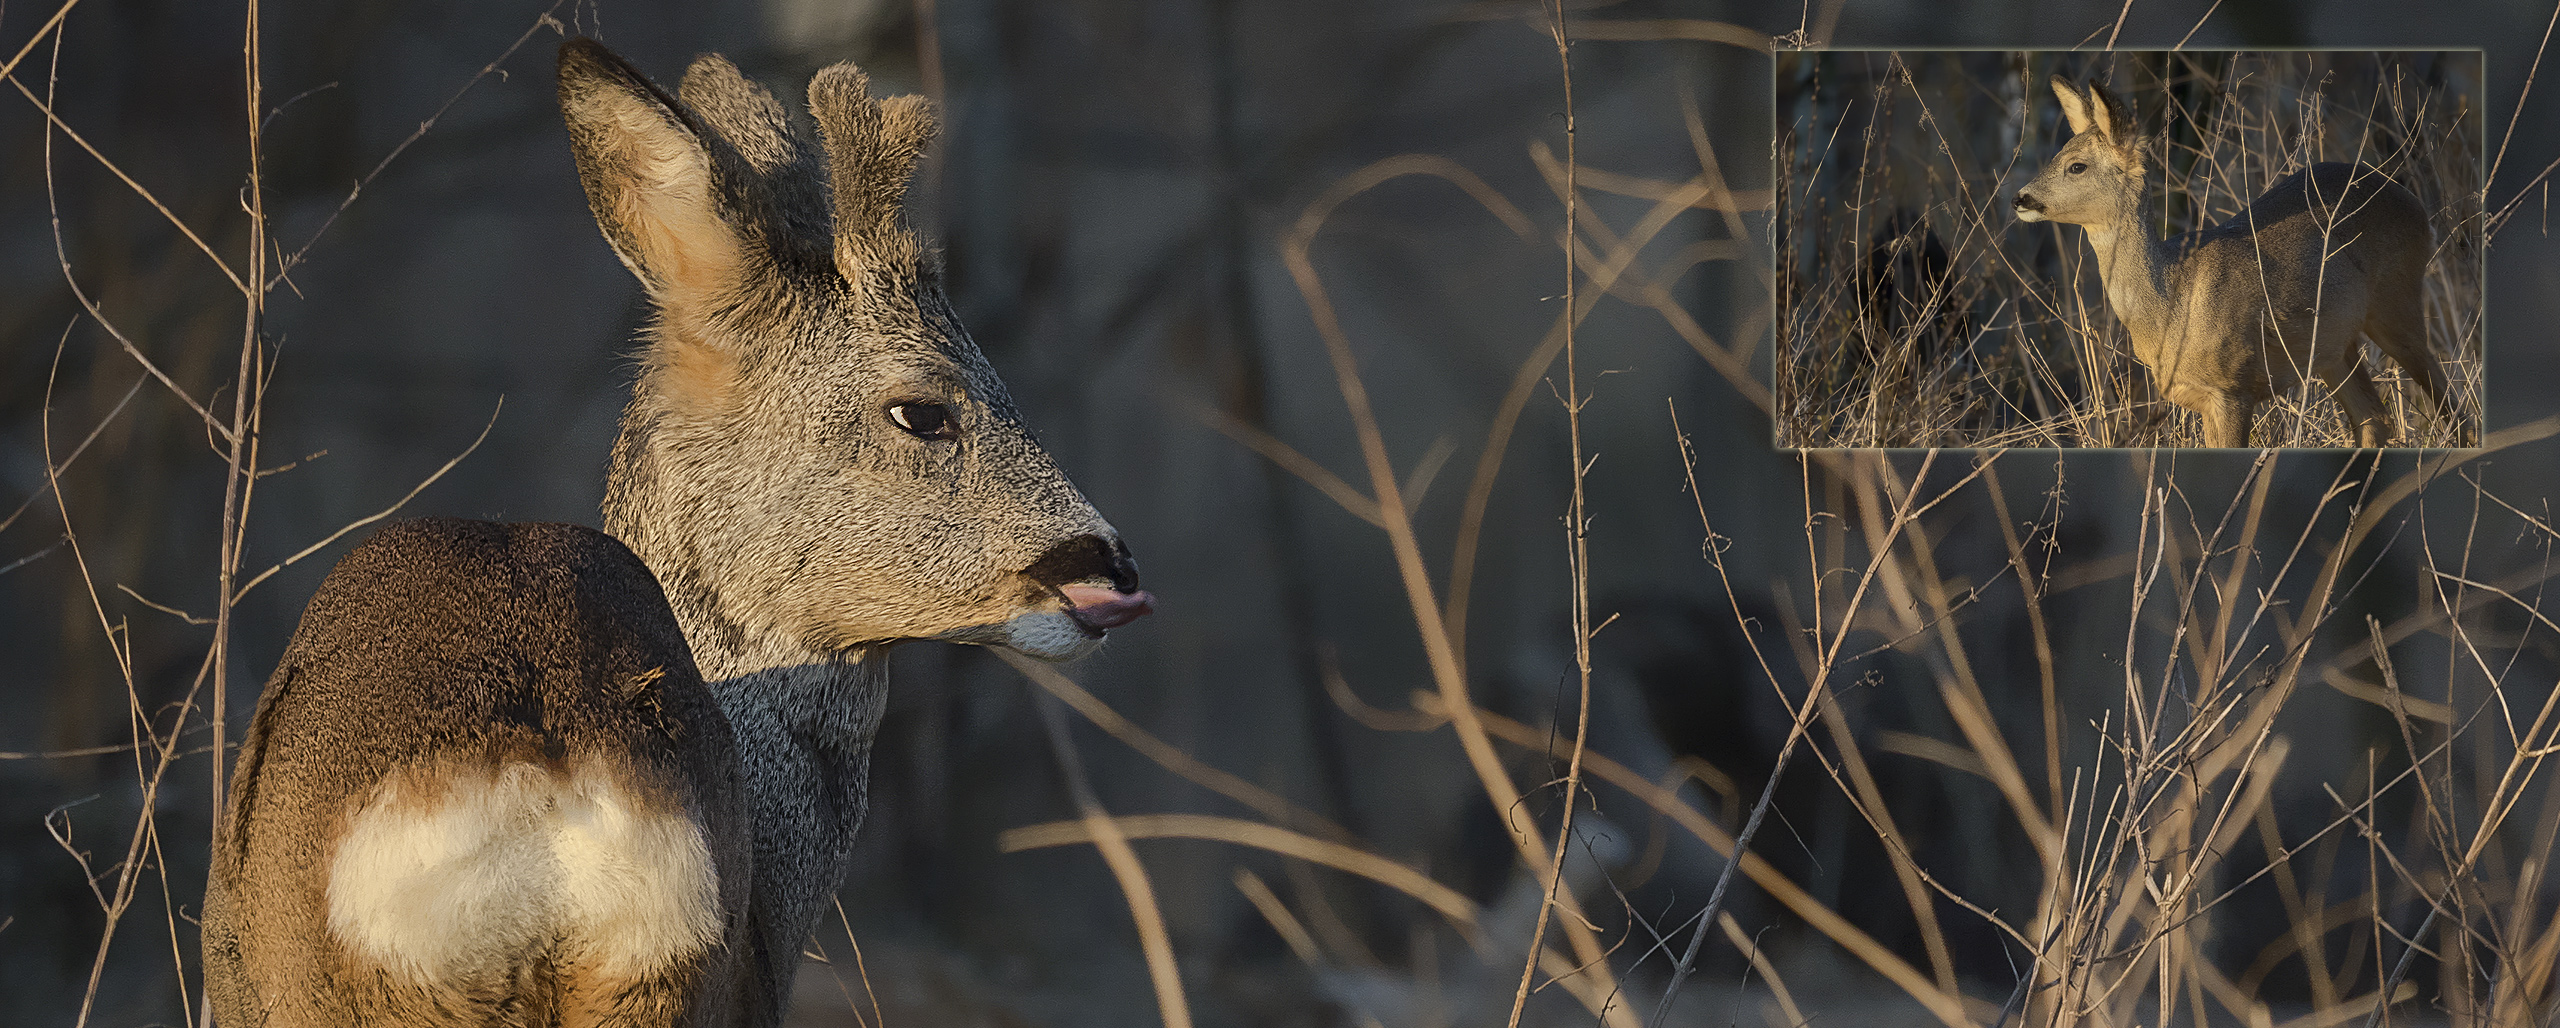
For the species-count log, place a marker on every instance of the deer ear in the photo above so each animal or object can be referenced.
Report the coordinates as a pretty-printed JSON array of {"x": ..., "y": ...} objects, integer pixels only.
[
  {"x": 2075, "y": 107},
  {"x": 2114, "y": 122},
  {"x": 648, "y": 174},
  {"x": 872, "y": 149},
  {"x": 744, "y": 113}
]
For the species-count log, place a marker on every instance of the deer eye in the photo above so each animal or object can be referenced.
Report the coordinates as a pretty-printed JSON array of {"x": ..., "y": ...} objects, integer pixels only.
[
  {"x": 923, "y": 419},
  {"x": 2078, "y": 167}
]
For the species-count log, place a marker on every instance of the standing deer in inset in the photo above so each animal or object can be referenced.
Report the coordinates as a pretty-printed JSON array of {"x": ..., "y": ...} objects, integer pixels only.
[
  {"x": 522, "y": 775},
  {"x": 2229, "y": 316}
]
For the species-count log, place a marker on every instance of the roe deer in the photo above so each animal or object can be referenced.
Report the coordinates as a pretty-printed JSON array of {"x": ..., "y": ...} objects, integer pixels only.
[
  {"x": 500, "y": 776},
  {"x": 2229, "y": 316}
]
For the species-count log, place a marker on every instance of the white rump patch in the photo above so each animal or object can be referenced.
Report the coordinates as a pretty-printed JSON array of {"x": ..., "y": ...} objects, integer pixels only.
[
  {"x": 472, "y": 872},
  {"x": 453, "y": 885},
  {"x": 636, "y": 886}
]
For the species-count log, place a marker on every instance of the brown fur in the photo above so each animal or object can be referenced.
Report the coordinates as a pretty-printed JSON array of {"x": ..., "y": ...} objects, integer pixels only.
[
  {"x": 562, "y": 622},
  {"x": 699, "y": 375}
]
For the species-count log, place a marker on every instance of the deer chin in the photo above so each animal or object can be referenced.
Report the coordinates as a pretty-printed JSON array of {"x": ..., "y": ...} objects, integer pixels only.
[{"x": 1051, "y": 635}]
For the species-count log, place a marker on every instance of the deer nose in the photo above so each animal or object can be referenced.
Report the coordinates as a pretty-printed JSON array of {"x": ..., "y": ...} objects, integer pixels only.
[
  {"x": 1085, "y": 558},
  {"x": 2027, "y": 201}
]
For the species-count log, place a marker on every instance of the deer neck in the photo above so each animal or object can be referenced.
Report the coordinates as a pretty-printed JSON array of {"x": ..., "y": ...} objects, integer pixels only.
[
  {"x": 671, "y": 507},
  {"x": 2135, "y": 269},
  {"x": 803, "y": 721}
]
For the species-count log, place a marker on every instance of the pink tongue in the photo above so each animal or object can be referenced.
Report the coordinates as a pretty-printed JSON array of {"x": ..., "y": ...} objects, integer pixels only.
[{"x": 1097, "y": 607}]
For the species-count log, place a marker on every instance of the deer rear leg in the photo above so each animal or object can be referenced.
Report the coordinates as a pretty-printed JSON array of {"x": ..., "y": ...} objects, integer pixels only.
[
  {"x": 2227, "y": 414},
  {"x": 2227, "y": 417},
  {"x": 2360, "y": 410},
  {"x": 2398, "y": 324}
]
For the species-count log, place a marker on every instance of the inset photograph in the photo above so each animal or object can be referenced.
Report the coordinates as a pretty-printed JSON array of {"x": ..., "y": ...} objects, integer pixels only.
[{"x": 2128, "y": 249}]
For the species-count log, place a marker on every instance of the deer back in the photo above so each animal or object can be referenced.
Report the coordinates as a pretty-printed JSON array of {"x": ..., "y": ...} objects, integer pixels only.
[
  {"x": 2301, "y": 262},
  {"x": 487, "y": 767}
]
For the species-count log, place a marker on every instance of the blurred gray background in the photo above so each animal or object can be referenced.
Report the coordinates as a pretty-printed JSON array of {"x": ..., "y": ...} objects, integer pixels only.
[{"x": 1114, "y": 184}]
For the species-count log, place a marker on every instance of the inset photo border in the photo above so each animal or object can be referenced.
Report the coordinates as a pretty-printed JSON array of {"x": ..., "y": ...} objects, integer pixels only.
[{"x": 1961, "y": 256}]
